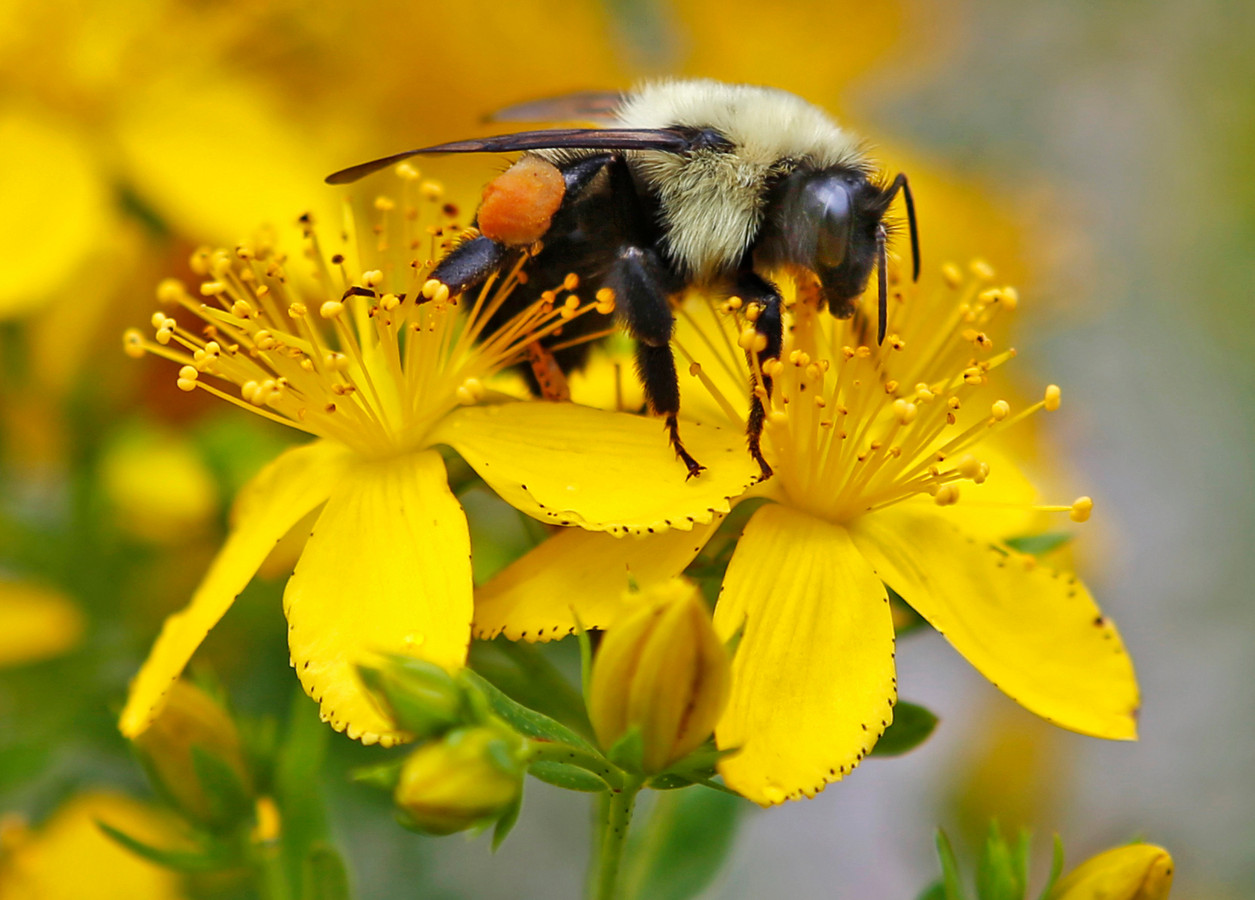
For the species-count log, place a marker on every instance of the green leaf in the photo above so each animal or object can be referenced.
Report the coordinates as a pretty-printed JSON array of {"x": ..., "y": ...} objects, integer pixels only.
[
  {"x": 1056, "y": 868},
  {"x": 525, "y": 721},
  {"x": 565, "y": 775},
  {"x": 326, "y": 877},
  {"x": 911, "y": 726},
  {"x": 530, "y": 676},
  {"x": 1039, "y": 544},
  {"x": 503, "y": 826},
  {"x": 949, "y": 868},
  {"x": 680, "y": 851},
  {"x": 996, "y": 877},
  {"x": 628, "y": 751},
  {"x": 383, "y": 776},
  {"x": 179, "y": 860},
  {"x": 228, "y": 799},
  {"x": 423, "y": 697},
  {"x": 935, "y": 891}
]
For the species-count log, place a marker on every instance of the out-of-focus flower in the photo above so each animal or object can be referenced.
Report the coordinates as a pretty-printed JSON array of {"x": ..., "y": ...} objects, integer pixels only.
[
  {"x": 70, "y": 858},
  {"x": 871, "y": 446},
  {"x": 193, "y": 731},
  {"x": 1134, "y": 872},
  {"x": 160, "y": 489},
  {"x": 661, "y": 670},
  {"x": 468, "y": 777},
  {"x": 36, "y": 623},
  {"x": 381, "y": 373}
]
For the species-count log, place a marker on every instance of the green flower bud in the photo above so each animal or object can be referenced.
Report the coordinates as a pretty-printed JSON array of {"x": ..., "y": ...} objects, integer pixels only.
[
  {"x": 192, "y": 752},
  {"x": 1134, "y": 872},
  {"x": 422, "y": 697},
  {"x": 661, "y": 670},
  {"x": 469, "y": 777}
]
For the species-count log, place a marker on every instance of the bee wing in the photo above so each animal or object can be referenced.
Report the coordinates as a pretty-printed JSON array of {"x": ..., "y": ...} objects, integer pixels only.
[
  {"x": 664, "y": 139},
  {"x": 595, "y": 107}
]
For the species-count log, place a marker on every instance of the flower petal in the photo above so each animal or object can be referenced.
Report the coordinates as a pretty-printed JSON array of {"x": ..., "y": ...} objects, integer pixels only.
[
  {"x": 604, "y": 471},
  {"x": 813, "y": 681},
  {"x": 387, "y": 569},
  {"x": 275, "y": 500},
  {"x": 1033, "y": 631},
  {"x": 36, "y": 623},
  {"x": 579, "y": 574}
]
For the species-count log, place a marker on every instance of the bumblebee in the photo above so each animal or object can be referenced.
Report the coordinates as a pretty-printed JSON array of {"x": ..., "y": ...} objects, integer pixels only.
[{"x": 691, "y": 184}]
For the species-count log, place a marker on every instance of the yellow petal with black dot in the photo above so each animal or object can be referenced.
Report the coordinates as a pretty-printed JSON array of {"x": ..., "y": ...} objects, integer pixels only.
[
  {"x": 604, "y": 471},
  {"x": 275, "y": 500},
  {"x": 813, "y": 682},
  {"x": 1033, "y": 631},
  {"x": 386, "y": 570},
  {"x": 579, "y": 576}
]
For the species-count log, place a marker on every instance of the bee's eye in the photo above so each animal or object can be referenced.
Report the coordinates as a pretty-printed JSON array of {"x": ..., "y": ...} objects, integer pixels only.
[
  {"x": 812, "y": 220},
  {"x": 832, "y": 210}
]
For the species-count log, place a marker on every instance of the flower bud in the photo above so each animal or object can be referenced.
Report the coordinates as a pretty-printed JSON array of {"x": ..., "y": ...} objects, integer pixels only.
[
  {"x": 1133, "y": 872},
  {"x": 422, "y": 697},
  {"x": 662, "y": 670},
  {"x": 192, "y": 751},
  {"x": 469, "y": 777}
]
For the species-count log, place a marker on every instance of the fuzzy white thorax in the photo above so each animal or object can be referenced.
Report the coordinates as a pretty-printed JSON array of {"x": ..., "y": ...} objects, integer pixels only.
[{"x": 712, "y": 200}]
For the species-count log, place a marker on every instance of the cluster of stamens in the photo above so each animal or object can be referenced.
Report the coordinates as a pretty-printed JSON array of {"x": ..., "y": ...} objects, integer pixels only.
[
  {"x": 853, "y": 426},
  {"x": 362, "y": 351}
]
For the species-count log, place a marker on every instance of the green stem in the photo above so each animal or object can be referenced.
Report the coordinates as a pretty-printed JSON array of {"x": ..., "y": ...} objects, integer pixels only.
[{"x": 614, "y": 837}]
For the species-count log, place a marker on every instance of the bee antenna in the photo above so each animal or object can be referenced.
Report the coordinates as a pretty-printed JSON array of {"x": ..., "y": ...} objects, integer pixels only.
[
  {"x": 882, "y": 283},
  {"x": 901, "y": 183}
]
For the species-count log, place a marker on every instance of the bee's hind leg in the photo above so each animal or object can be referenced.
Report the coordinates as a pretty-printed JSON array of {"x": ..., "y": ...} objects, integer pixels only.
[
  {"x": 757, "y": 293},
  {"x": 642, "y": 285}
]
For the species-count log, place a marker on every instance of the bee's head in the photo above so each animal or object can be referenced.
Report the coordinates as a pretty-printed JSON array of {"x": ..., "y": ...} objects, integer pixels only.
[{"x": 831, "y": 222}]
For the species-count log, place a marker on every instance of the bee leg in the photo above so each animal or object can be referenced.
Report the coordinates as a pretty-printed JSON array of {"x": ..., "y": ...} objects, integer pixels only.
[
  {"x": 466, "y": 266},
  {"x": 642, "y": 285},
  {"x": 758, "y": 293},
  {"x": 548, "y": 374}
]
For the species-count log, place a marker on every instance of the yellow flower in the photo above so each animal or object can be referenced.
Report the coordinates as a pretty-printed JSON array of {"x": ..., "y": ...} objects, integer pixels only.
[
  {"x": 381, "y": 373},
  {"x": 36, "y": 623},
  {"x": 881, "y": 478},
  {"x": 663, "y": 671},
  {"x": 1135, "y": 872},
  {"x": 70, "y": 858}
]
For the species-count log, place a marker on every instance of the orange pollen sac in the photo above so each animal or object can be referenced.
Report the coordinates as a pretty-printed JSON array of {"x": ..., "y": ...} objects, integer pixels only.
[{"x": 520, "y": 202}]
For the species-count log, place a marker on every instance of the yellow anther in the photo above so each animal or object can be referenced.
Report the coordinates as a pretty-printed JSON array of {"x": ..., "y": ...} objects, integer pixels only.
[
  {"x": 219, "y": 263},
  {"x": 952, "y": 275},
  {"x": 973, "y": 375},
  {"x": 432, "y": 190},
  {"x": 923, "y": 393},
  {"x": 297, "y": 310},
  {"x": 800, "y": 358},
  {"x": 695, "y": 369},
  {"x": 753, "y": 311},
  {"x": 820, "y": 402},
  {"x": 133, "y": 343},
  {"x": 212, "y": 288},
  {"x": 968, "y": 467},
  {"x": 335, "y": 361},
  {"x": 1081, "y": 509},
  {"x": 891, "y": 387},
  {"x": 159, "y": 320},
  {"x": 970, "y": 335},
  {"x": 982, "y": 269},
  {"x": 385, "y": 204},
  {"x": 863, "y": 352},
  {"x": 814, "y": 372},
  {"x": 212, "y": 350},
  {"x": 1010, "y": 298},
  {"x": 330, "y": 309},
  {"x": 389, "y": 302},
  {"x": 751, "y": 340},
  {"x": 989, "y": 295},
  {"x": 605, "y": 301},
  {"x": 470, "y": 391},
  {"x": 1054, "y": 396},
  {"x": 170, "y": 291},
  {"x": 1000, "y": 410},
  {"x": 408, "y": 172},
  {"x": 734, "y": 303},
  {"x": 983, "y": 474},
  {"x": 307, "y": 364},
  {"x": 778, "y": 418},
  {"x": 904, "y": 412},
  {"x": 199, "y": 261},
  {"x": 954, "y": 403},
  {"x": 896, "y": 343},
  {"x": 570, "y": 282},
  {"x": 241, "y": 309},
  {"x": 947, "y": 495},
  {"x": 187, "y": 378},
  {"x": 572, "y": 302},
  {"x": 373, "y": 278},
  {"x": 264, "y": 340},
  {"x": 772, "y": 368}
]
